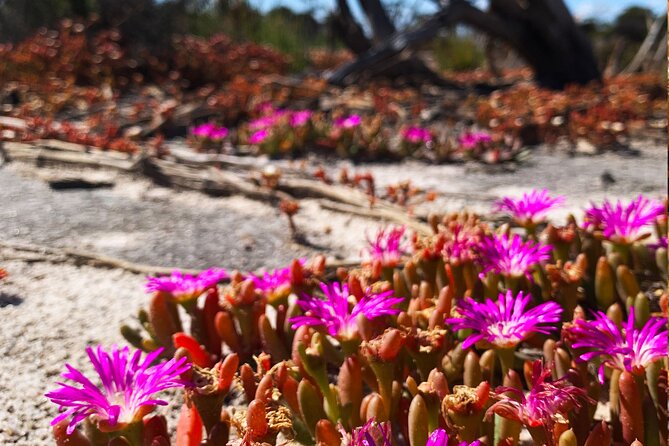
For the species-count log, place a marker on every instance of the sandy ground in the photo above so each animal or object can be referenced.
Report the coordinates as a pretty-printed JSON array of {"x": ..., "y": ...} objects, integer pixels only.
[{"x": 51, "y": 312}]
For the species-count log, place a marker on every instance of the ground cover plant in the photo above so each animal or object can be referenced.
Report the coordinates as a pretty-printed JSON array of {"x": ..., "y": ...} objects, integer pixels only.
[
  {"x": 473, "y": 334},
  {"x": 89, "y": 85}
]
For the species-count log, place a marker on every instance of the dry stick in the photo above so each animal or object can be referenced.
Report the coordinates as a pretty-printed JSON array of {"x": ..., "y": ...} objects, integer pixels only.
[
  {"x": 79, "y": 257},
  {"x": 210, "y": 180}
]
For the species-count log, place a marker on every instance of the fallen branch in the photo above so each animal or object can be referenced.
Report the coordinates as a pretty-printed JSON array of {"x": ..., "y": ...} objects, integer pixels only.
[{"x": 77, "y": 257}]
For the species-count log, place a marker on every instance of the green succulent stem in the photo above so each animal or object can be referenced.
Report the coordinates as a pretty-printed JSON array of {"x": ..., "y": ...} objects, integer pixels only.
[{"x": 506, "y": 358}]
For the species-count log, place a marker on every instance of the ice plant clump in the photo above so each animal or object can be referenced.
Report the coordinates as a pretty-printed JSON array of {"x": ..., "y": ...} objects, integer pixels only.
[
  {"x": 334, "y": 314},
  {"x": 128, "y": 386},
  {"x": 623, "y": 224},
  {"x": 439, "y": 437},
  {"x": 386, "y": 247},
  {"x": 504, "y": 323},
  {"x": 547, "y": 404},
  {"x": 184, "y": 287},
  {"x": 511, "y": 257},
  {"x": 348, "y": 122},
  {"x": 369, "y": 434},
  {"x": 630, "y": 349},
  {"x": 531, "y": 208}
]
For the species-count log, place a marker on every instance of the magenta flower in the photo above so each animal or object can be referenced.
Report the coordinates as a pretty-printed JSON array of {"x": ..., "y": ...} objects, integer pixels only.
[
  {"x": 622, "y": 224},
  {"x": 511, "y": 257},
  {"x": 370, "y": 434},
  {"x": 300, "y": 118},
  {"x": 416, "y": 135},
  {"x": 630, "y": 349},
  {"x": 531, "y": 208},
  {"x": 348, "y": 122},
  {"x": 203, "y": 130},
  {"x": 335, "y": 315},
  {"x": 461, "y": 243},
  {"x": 504, "y": 323},
  {"x": 184, "y": 287},
  {"x": 387, "y": 247},
  {"x": 219, "y": 133},
  {"x": 274, "y": 284},
  {"x": 469, "y": 140},
  {"x": 128, "y": 385},
  {"x": 259, "y": 136},
  {"x": 546, "y": 404},
  {"x": 439, "y": 437}
]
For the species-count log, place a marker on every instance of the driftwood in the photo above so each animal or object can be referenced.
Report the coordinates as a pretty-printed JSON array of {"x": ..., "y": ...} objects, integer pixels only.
[
  {"x": 543, "y": 32},
  {"x": 203, "y": 174},
  {"x": 38, "y": 253},
  {"x": 644, "y": 52},
  {"x": 43, "y": 155}
]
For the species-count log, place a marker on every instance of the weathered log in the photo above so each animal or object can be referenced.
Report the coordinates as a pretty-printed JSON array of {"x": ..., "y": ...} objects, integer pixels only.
[{"x": 541, "y": 31}]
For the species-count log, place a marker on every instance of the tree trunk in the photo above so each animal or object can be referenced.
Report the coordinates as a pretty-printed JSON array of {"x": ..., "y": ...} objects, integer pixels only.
[{"x": 543, "y": 32}]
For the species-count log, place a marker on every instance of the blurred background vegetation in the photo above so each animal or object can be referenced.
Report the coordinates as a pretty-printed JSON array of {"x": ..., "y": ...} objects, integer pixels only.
[{"x": 153, "y": 22}]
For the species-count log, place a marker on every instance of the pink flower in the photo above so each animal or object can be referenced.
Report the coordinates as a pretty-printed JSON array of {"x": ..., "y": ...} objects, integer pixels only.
[
  {"x": 469, "y": 140},
  {"x": 219, "y": 133},
  {"x": 259, "y": 136},
  {"x": 275, "y": 282},
  {"x": 184, "y": 287},
  {"x": 300, "y": 118},
  {"x": 620, "y": 223},
  {"x": 504, "y": 323},
  {"x": 348, "y": 122},
  {"x": 334, "y": 313},
  {"x": 546, "y": 403},
  {"x": 128, "y": 385},
  {"x": 439, "y": 437},
  {"x": 203, "y": 130},
  {"x": 387, "y": 247},
  {"x": 531, "y": 208},
  {"x": 511, "y": 257},
  {"x": 416, "y": 135},
  {"x": 370, "y": 434},
  {"x": 630, "y": 349}
]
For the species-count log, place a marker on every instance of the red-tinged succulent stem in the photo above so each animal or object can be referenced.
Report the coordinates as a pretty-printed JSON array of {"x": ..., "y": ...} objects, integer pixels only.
[
  {"x": 631, "y": 409},
  {"x": 189, "y": 427}
]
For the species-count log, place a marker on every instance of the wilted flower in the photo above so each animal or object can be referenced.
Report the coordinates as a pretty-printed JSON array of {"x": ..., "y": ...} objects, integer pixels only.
[
  {"x": 334, "y": 314},
  {"x": 387, "y": 247},
  {"x": 184, "y": 287},
  {"x": 300, "y": 118},
  {"x": 416, "y": 135},
  {"x": 470, "y": 140},
  {"x": 504, "y": 323},
  {"x": 439, "y": 437},
  {"x": 531, "y": 208},
  {"x": 511, "y": 257},
  {"x": 370, "y": 434},
  {"x": 546, "y": 404},
  {"x": 630, "y": 349},
  {"x": 259, "y": 136},
  {"x": 128, "y": 385},
  {"x": 348, "y": 122},
  {"x": 622, "y": 224}
]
